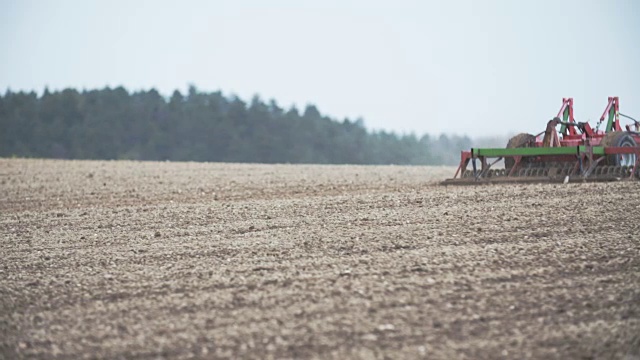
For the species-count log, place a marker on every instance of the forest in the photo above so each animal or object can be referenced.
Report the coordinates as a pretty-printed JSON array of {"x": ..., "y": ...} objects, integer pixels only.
[{"x": 113, "y": 123}]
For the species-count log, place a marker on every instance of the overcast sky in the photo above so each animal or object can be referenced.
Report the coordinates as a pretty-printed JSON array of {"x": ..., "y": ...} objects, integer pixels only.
[{"x": 465, "y": 67}]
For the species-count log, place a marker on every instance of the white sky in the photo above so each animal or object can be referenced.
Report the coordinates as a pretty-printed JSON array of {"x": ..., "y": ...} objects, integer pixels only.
[{"x": 459, "y": 66}]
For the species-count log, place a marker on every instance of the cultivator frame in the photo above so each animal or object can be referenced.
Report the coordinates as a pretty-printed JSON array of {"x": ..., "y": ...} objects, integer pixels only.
[{"x": 581, "y": 153}]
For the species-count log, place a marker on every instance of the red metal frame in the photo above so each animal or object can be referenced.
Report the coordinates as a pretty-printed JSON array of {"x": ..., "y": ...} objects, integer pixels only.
[
  {"x": 568, "y": 102},
  {"x": 583, "y": 160},
  {"x": 571, "y": 137},
  {"x": 615, "y": 102},
  {"x": 587, "y": 136}
]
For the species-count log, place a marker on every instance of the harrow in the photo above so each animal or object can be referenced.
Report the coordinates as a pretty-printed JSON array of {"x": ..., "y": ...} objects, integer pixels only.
[{"x": 577, "y": 152}]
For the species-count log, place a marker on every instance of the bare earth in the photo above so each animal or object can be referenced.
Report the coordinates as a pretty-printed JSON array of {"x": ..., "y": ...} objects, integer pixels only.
[{"x": 153, "y": 260}]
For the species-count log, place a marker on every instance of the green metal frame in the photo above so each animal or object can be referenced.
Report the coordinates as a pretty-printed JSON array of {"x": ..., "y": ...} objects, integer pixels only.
[
  {"x": 612, "y": 115},
  {"x": 539, "y": 151},
  {"x": 565, "y": 119}
]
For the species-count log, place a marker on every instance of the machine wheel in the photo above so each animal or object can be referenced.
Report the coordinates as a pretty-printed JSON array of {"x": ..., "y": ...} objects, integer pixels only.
[
  {"x": 520, "y": 140},
  {"x": 619, "y": 139}
]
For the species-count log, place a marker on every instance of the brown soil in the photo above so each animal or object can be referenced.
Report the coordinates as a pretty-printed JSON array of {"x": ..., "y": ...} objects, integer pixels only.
[{"x": 187, "y": 260}]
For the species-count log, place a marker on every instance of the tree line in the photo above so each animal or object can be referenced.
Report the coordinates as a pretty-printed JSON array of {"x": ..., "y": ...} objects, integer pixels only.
[{"x": 113, "y": 123}]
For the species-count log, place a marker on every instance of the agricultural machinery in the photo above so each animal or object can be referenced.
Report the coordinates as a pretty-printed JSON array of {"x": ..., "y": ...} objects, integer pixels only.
[{"x": 575, "y": 152}]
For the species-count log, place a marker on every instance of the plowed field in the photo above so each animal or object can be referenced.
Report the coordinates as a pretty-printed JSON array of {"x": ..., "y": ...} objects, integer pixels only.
[{"x": 154, "y": 260}]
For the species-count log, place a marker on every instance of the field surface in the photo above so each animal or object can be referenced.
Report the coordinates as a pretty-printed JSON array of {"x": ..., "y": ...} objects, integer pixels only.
[{"x": 152, "y": 260}]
